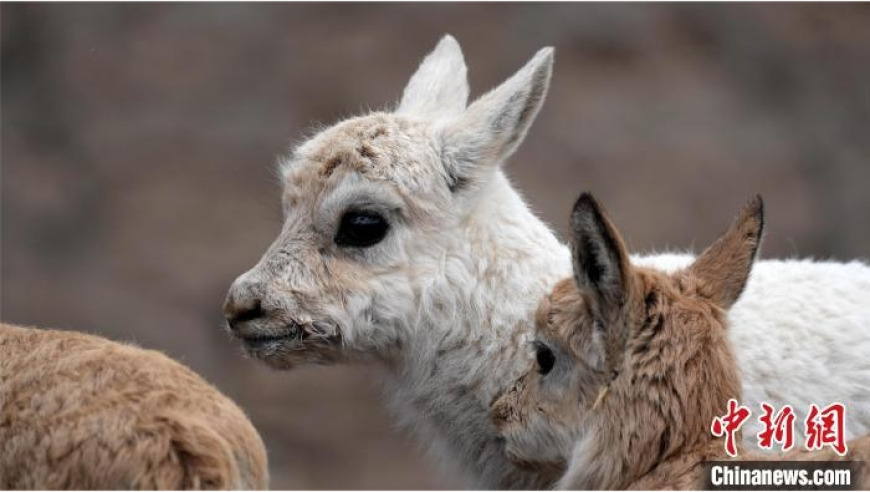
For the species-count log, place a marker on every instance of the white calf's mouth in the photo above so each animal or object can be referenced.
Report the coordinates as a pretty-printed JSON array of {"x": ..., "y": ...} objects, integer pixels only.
[
  {"x": 294, "y": 338},
  {"x": 259, "y": 342},
  {"x": 257, "y": 336}
]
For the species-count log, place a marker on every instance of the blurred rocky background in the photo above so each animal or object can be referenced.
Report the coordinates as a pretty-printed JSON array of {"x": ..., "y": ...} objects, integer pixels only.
[{"x": 139, "y": 145}]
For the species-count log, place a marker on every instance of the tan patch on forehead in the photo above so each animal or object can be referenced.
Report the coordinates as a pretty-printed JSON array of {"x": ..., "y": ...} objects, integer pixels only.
[
  {"x": 354, "y": 144},
  {"x": 331, "y": 164},
  {"x": 367, "y": 151},
  {"x": 379, "y": 147}
]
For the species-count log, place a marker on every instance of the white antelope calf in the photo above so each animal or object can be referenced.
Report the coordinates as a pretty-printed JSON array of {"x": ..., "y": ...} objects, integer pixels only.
[{"x": 404, "y": 243}]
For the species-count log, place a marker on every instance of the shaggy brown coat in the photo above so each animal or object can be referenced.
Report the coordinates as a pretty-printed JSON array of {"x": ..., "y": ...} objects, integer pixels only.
[
  {"x": 647, "y": 356},
  {"x": 81, "y": 412}
]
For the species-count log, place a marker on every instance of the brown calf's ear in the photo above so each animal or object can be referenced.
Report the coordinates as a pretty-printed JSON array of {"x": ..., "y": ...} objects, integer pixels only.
[
  {"x": 600, "y": 257},
  {"x": 724, "y": 266}
]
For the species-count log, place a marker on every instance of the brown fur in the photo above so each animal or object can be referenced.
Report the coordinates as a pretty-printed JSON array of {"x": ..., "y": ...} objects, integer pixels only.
[
  {"x": 648, "y": 360},
  {"x": 81, "y": 412}
]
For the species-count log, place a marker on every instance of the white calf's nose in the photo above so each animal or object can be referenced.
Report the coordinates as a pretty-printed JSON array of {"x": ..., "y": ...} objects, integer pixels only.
[{"x": 242, "y": 304}]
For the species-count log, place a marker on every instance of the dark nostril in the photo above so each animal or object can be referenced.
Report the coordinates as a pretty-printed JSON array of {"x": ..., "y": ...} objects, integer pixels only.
[
  {"x": 241, "y": 312},
  {"x": 253, "y": 311}
]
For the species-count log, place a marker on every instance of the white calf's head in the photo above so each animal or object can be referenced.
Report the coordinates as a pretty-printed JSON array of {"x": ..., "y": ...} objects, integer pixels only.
[{"x": 369, "y": 203}]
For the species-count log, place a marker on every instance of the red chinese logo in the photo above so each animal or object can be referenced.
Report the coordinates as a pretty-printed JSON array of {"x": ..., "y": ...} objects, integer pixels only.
[
  {"x": 826, "y": 427},
  {"x": 728, "y": 425},
  {"x": 779, "y": 428}
]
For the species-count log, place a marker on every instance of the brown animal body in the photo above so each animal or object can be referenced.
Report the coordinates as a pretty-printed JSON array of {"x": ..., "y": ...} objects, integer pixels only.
[
  {"x": 81, "y": 412},
  {"x": 647, "y": 356}
]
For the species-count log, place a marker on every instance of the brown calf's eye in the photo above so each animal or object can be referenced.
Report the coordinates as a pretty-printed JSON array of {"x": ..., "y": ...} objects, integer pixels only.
[
  {"x": 361, "y": 229},
  {"x": 545, "y": 357}
]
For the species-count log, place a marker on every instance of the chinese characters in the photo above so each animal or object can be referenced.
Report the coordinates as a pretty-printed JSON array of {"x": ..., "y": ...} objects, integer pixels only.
[{"x": 822, "y": 427}]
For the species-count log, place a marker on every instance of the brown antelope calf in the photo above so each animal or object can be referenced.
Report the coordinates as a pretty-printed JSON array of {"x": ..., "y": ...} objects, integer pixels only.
[
  {"x": 633, "y": 364},
  {"x": 81, "y": 412}
]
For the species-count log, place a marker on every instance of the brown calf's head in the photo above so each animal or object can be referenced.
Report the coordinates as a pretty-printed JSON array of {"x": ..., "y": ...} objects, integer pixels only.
[{"x": 631, "y": 364}]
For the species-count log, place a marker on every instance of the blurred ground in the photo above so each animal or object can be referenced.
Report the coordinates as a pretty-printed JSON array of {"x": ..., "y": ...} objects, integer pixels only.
[{"x": 138, "y": 147}]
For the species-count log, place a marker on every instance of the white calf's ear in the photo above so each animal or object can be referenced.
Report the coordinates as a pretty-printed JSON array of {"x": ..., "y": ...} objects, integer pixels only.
[
  {"x": 601, "y": 264},
  {"x": 492, "y": 128},
  {"x": 724, "y": 267},
  {"x": 439, "y": 88}
]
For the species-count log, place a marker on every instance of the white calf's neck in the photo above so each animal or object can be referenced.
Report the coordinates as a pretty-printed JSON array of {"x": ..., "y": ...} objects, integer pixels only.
[{"x": 470, "y": 336}]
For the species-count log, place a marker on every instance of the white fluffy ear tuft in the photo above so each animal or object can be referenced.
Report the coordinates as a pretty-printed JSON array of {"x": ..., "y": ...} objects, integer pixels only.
[
  {"x": 439, "y": 88},
  {"x": 491, "y": 129}
]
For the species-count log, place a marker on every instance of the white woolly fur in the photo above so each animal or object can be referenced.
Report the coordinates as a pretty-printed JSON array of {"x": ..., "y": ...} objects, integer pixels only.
[{"x": 446, "y": 301}]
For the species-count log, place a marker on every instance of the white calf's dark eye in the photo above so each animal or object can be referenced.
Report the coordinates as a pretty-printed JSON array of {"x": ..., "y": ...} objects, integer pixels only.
[
  {"x": 361, "y": 229},
  {"x": 545, "y": 357}
]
